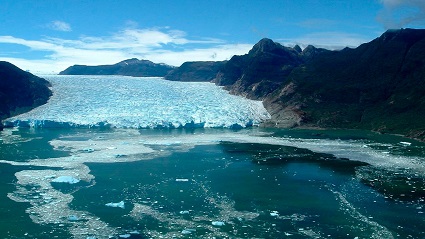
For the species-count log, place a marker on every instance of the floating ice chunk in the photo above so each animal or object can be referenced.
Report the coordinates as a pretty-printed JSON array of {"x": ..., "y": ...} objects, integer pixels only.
[
  {"x": 73, "y": 218},
  {"x": 66, "y": 179},
  {"x": 125, "y": 236},
  {"x": 135, "y": 232},
  {"x": 188, "y": 231},
  {"x": 184, "y": 212},
  {"x": 274, "y": 214},
  {"x": 217, "y": 223},
  {"x": 182, "y": 180},
  {"x": 115, "y": 204}
]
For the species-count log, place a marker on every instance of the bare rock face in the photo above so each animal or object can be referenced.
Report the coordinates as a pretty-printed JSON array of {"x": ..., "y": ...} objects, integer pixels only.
[{"x": 20, "y": 91}]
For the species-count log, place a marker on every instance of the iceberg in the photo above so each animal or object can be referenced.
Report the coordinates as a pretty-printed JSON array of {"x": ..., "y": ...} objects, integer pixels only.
[
  {"x": 109, "y": 102},
  {"x": 116, "y": 204},
  {"x": 66, "y": 179}
]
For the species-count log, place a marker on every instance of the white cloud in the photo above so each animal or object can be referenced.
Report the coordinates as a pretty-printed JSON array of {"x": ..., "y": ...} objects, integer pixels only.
[
  {"x": 160, "y": 45},
  {"x": 327, "y": 40},
  {"x": 402, "y": 13},
  {"x": 217, "y": 53},
  {"x": 60, "y": 26}
]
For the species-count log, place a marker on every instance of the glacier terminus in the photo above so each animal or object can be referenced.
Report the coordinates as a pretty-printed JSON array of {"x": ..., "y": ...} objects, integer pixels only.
[{"x": 139, "y": 102}]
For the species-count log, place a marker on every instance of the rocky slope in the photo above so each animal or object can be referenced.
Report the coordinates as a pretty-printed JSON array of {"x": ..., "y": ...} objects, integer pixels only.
[
  {"x": 196, "y": 71},
  {"x": 20, "y": 91},
  {"x": 130, "y": 67},
  {"x": 379, "y": 85},
  {"x": 264, "y": 69}
]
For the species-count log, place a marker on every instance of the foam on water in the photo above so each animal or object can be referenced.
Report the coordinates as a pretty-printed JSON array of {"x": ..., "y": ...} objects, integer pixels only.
[
  {"x": 132, "y": 102},
  {"x": 362, "y": 221}
]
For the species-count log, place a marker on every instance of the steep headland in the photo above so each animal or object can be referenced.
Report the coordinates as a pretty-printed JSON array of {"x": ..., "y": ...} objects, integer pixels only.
[
  {"x": 20, "y": 91},
  {"x": 130, "y": 67},
  {"x": 378, "y": 86}
]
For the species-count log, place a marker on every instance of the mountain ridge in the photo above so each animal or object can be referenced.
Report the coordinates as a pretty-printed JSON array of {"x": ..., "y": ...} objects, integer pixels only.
[
  {"x": 195, "y": 71},
  {"x": 129, "y": 67}
]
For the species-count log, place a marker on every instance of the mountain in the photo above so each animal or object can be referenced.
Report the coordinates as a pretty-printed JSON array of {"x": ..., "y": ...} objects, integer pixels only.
[
  {"x": 20, "y": 91},
  {"x": 130, "y": 67},
  {"x": 195, "y": 71},
  {"x": 264, "y": 69},
  {"x": 378, "y": 86}
]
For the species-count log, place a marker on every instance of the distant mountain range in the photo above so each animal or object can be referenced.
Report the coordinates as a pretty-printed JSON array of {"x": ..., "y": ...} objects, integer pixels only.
[
  {"x": 20, "y": 91},
  {"x": 130, "y": 67}
]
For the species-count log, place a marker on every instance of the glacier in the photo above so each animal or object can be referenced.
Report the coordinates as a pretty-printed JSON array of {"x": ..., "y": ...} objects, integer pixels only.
[{"x": 139, "y": 102}]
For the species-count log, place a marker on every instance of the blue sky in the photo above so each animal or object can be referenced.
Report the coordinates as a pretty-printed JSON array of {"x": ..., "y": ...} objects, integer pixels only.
[{"x": 47, "y": 36}]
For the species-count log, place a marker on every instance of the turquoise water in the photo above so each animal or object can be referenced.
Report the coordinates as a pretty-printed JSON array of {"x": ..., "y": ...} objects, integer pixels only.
[{"x": 210, "y": 183}]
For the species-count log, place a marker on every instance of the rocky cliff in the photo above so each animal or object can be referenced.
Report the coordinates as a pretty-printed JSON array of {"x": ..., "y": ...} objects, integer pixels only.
[
  {"x": 130, "y": 67},
  {"x": 20, "y": 91},
  {"x": 379, "y": 85}
]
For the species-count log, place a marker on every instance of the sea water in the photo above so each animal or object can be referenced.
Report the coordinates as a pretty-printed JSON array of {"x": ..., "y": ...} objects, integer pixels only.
[{"x": 200, "y": 182}]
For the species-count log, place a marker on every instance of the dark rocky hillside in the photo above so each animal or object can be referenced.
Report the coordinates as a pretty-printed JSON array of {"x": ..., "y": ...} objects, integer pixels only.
[
  {"x": 20, "y": 91},
  {"x": 130, "y": 67},
  {"x": 264, "y": 69},
  {"x": 379, "y": 85},
  {"x": 196, "y": 71}
]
